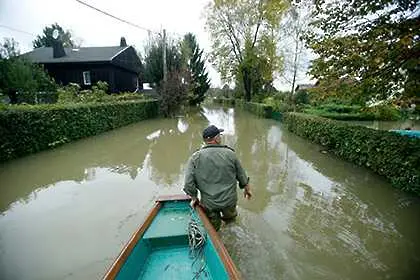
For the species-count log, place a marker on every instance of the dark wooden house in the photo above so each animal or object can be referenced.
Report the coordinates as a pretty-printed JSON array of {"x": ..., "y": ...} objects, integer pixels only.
[{"x": 119, "y": 66}]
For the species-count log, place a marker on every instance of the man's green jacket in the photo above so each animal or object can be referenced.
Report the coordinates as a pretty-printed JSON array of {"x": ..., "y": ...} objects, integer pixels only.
[{"x": 215, "y": 171}]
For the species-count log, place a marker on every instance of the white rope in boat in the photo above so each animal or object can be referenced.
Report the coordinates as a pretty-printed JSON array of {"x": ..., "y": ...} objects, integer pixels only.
[{"x": 196, "y": 240}]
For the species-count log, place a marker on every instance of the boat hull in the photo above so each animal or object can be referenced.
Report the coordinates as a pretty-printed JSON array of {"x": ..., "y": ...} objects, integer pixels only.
[{"x": 159, "y": 249}]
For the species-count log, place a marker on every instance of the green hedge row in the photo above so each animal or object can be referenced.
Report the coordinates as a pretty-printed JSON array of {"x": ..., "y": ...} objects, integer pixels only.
[
  {"x": 258, "y": 109},
  {"x": 355, "y": 113},
  {"x": 389, "y": 154},
  {"x": 28, "y": 129},
  {"x": 342, "y": 116},
  {"x": 224, "y": 101}
]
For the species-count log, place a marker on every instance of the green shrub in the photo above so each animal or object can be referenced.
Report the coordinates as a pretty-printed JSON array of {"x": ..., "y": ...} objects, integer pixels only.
[
  {"x": 126, "y": 96},
  {"x": 25, "y": 129},
  {"x": 301, "y": 97},
  {"x": 3, "y": 106},
  {"x": 72, "y": 93},
  {"x": 340, "y": 108},
  {"x": 258, "y": 109},
  {"x": 355, "y": 112},
  {"x": 278, "y": 105},
  {"x": 360, "y": 116},
  {"x": 225, "y": 101},
  {"x": 385, "y": 112},
  {"x": 68, "y": 94},
  {"x": 389, "y": 154},
  {"x": 102, "y": 86}
]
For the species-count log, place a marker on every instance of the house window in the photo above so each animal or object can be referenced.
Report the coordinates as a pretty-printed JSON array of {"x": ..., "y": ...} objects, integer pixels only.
[{"x": 86, "y": 78}]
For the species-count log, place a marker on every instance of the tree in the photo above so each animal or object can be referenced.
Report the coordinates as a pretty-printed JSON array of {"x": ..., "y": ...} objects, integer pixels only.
[
  {"x": 194, "y": 63},
  {"x": 46, "y": 39},
  {"x": 296, "y": 55},
  {"x": 9, "y": 48},
  {"x": 153, "y": 68},
  {"x": 244, "y": 35},
  {"x": 19, "y": 75},
  {"x": 173, "y": 93},
  {"x": 373, "y": 46}
]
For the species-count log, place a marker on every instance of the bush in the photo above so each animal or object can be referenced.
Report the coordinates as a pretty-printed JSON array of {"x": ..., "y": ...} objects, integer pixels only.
[
  {"x": 21, "y": 80},
  {"x": 225, "y": 101},
  {"x": 389, "y": 154},
  {"x": 258, "y": 109},
  {"x": 360, "y": 116},
  {"x": 126, "y": 96},
  {"x": 355, "y": 112},
  {"x": 301, "y": 97},
  {"x": 36, "y": 97},
  {"x": 68, "y": 94},
  {"x": 340, "y": 108},
  {"x": 173, "y": 94},
  {"x": 26, "y": 129},
  {"x": 72, "y": 93},
  {"x": 384, "y": 112},
  {"x": 278, "y": 105}
]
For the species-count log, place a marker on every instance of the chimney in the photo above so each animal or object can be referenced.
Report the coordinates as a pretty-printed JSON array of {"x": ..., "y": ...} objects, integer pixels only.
[
  {"x": 123, "y": 43},
  {"x": 58, "y": 49}
]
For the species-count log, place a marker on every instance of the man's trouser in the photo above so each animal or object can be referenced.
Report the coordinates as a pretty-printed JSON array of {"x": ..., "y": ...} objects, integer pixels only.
[{"x": 227, "y": 214}]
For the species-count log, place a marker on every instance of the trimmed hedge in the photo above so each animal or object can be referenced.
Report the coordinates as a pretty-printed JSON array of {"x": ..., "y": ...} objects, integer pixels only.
[
  {"x": 355, "y": 113},
  {"x": 341, "y": 116},
  {"x": 389, "y": 154},
  {"x": 29, "y": 129},
  {"x": 224, "y": 101},
  {"x": 258, "y": 109}
]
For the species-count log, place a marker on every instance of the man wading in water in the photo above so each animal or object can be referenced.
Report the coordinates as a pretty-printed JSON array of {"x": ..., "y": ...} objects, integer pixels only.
[{"x": 214, "y": 170}]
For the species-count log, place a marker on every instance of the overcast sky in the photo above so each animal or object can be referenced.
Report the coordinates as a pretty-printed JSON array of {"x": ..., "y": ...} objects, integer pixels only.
[{"x": 95, "y": 29}]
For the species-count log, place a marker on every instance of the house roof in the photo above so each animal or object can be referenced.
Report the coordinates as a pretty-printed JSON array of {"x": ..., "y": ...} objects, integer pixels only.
[
  {"x": 88, "y": 54},
  {"x": 305, "y": 86}
]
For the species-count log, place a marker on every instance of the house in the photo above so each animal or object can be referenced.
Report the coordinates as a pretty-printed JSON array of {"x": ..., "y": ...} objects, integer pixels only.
[
  {"x": 150, "y": 92},
  {"x": 306, "y": 86},
  {"x": 119, "y": 66}
]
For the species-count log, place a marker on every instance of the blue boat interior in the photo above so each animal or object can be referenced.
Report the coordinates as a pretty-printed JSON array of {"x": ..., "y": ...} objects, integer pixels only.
[
  {"x": 410, "y": 133},
  {"x": 164, "y": 252}
]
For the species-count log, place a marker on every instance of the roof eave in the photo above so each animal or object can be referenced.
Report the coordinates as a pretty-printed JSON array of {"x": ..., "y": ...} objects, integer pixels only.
[
  {"x": 57, "y": 62},
  {"x": 118, "y": 53}
]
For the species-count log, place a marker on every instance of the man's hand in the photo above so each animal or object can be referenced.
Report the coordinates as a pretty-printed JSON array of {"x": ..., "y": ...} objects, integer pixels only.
[
  {"x": 194, "y": 202},
  {"x": 247, "y": 192}
]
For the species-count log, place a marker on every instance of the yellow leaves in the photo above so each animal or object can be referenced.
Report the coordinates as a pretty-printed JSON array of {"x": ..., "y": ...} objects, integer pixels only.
[
  {"x": 406, "y": 41},
  {"x": 245, "y": 32},
  {"x": 273, "y": 11}
]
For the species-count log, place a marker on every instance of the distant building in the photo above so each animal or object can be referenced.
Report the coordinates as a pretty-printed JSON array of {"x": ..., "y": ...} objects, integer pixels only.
[
  {"x": 119, "y": 66},
  {"x": 305, "y": 86},
  {"x": 148, "y": 91}
]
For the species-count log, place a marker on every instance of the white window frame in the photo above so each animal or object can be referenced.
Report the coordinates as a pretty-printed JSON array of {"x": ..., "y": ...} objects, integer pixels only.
[{"x": 86, "y": 78}]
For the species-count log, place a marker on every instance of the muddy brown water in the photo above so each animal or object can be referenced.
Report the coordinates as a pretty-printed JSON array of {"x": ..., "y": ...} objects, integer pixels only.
[{"x": 67, "y": 212}]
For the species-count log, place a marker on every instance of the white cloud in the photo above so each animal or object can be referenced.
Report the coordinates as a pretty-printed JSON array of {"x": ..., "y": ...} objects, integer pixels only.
[{"x": 96, "y": 29}]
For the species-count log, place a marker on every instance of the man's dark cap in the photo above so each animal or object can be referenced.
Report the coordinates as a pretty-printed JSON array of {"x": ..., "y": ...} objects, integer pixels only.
[{"x": 211, "y": 131}]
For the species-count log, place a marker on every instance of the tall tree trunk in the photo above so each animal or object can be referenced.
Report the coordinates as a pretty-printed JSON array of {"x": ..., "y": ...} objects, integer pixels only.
[
  {"x": 247, "y": 84},
  {"x": 295, "y": 67}
]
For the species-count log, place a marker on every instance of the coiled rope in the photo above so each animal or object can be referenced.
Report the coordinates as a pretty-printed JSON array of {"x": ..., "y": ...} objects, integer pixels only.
[{"x": 196, "y": 240}]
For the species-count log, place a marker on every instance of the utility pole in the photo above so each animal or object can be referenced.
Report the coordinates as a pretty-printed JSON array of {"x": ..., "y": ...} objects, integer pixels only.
[{"x": 165, "y": 68}]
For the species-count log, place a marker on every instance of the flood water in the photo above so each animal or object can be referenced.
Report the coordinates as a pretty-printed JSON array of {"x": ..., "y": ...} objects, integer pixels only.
[{"x": 67, "y": 212}]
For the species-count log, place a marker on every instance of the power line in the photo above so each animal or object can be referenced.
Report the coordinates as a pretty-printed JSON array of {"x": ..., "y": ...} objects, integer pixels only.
[
  {"x": 136, "y": 26},
  {"x": 115, "y": 17},
  {"x": 16, "y": 30}
]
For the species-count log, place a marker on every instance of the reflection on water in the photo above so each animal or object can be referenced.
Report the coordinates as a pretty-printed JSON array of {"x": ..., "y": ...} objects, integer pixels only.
[{"x": 66, "y": 213}]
